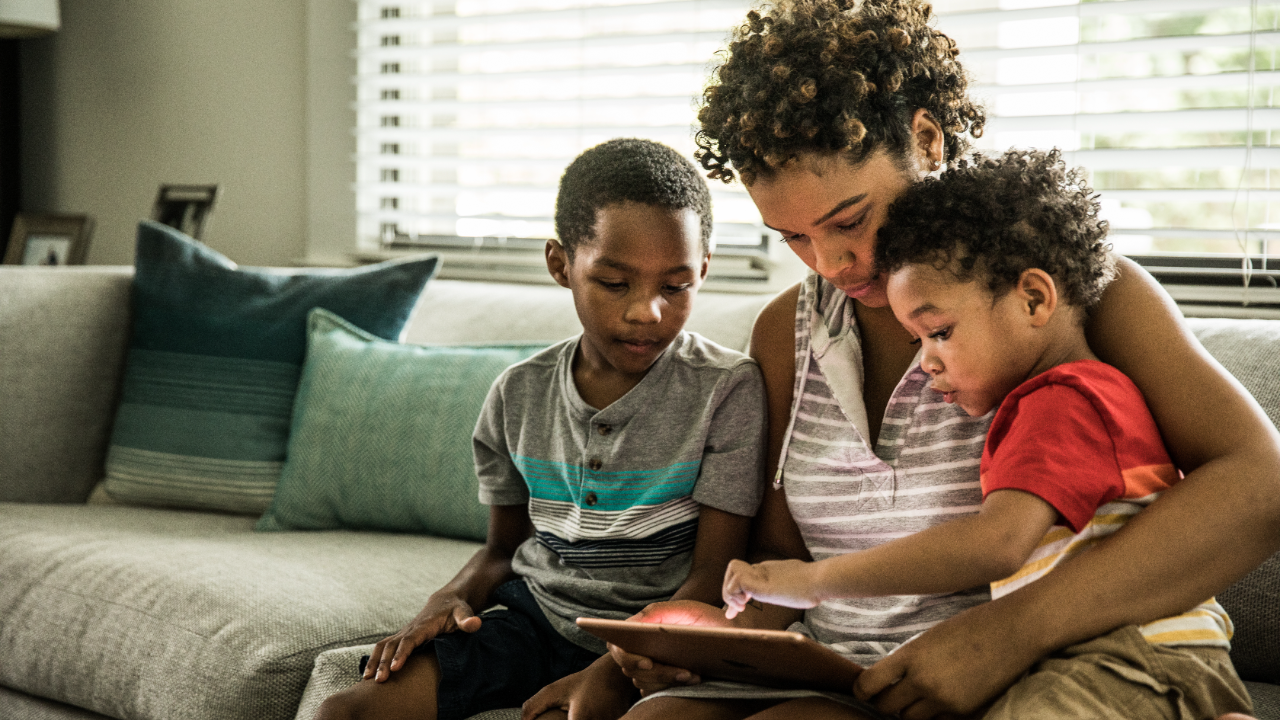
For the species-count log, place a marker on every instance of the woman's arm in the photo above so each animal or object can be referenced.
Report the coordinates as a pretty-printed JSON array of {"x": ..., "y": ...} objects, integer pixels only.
[
  {"x": 1215, "y": 525},
  {"x": 1223, "y": 518},
  {"x": 774, "y": 535}
]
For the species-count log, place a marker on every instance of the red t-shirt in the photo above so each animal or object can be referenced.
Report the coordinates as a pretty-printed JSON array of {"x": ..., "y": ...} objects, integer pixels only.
[{"x": 1078, "y": 436}]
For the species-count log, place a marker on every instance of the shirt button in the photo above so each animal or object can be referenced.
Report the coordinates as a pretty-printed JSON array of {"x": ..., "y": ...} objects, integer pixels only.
[
  {"x": 595, "y": 464},
  {"x": 592, "y": 499},
  {"x": 604, "y": 429}
]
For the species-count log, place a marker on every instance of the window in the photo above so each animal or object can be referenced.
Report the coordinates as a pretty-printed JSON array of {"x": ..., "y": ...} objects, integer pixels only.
[
  {"x": 486, "y": 102},
  {"x": 1168, "y": 103}
]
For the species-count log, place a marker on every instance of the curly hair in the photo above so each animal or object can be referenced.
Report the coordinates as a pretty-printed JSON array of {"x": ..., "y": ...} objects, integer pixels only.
[
  {"x": 831, "y": 76},
  {"x": 994, "y": 217},
  {"x": 627, "y": 169}
]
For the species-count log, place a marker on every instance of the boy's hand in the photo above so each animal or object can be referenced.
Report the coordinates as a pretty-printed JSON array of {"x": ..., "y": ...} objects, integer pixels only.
[
  {"x": 601, "y": 692},
  {"x": 645, "y": 674},
  {"x": 443, "y": 613},
  {"x": 789, "y": 583}
]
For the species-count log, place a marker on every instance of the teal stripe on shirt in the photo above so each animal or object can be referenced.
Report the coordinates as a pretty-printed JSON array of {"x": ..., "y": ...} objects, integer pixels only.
[{"x": 557, "y": 481}]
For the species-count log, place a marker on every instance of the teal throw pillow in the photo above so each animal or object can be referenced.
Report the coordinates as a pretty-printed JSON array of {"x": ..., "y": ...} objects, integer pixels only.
[
  {"x": 213, "y": 364},
  {"x": 382, "y": 434}
]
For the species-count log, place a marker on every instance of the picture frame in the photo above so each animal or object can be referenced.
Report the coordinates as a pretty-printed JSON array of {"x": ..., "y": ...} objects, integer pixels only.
[
  {"x": 49, "y": 239},
  {"x": 184, "y": 207}
]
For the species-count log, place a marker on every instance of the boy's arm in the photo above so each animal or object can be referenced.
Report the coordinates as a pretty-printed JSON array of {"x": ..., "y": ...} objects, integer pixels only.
[
  {"x": 453, "y": 606},
  {"x": 722, "y": 536},
  {"x": 956, "y": 555}
]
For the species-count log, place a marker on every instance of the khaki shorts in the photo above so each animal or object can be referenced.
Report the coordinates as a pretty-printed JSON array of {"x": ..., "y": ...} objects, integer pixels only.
[{"x": 1121, "y": 675}]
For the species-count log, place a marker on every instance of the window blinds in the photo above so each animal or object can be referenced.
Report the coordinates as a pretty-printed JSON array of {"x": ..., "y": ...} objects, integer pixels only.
[
  {"x": 468, "y": 111},
  {"x": 1170, "y": 104}
]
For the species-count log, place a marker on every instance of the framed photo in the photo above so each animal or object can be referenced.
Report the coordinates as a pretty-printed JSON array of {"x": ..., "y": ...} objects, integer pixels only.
[
  {"x": 41, "y": 239},
  {"x": 184, "y": 207}
]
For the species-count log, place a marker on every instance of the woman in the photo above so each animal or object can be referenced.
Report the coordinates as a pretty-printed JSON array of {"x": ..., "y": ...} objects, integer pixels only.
[{"x": 826, "y": 112}]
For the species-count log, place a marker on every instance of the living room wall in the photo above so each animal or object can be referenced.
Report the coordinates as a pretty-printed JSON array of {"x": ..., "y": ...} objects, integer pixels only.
[{"x": 128, "y": 95}]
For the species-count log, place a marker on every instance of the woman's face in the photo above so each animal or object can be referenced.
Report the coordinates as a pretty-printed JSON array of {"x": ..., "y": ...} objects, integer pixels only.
[
  {"x": 828, "y": 212},
  {"x": 828, "y": 209}
]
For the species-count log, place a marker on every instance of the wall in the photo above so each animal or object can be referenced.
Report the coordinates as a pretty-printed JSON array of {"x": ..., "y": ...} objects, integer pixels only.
[{"x": 128, "y": 95}]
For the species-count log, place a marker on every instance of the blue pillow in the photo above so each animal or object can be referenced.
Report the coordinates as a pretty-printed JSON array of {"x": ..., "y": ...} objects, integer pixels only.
[
  {"x": 213, "y": 365},
  {"x": 381, "y": 435}
]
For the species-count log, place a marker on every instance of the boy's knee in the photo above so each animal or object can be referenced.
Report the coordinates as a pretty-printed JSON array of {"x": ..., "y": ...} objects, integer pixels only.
[{"x": 344, "y": 705}]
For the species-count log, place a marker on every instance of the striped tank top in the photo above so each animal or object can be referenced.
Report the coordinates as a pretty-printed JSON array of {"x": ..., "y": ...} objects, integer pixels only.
[{"x": 846, "y": 495}]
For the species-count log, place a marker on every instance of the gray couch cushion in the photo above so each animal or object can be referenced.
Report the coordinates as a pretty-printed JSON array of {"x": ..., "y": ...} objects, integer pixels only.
[
  {"x": 1266, "y": 700},
  {"x": 154, "y": 614},
  {"x": 453, "y": 312},
  {"x": 1254, "y": 606},
  {"x": 63, "y": 333},
  {"x": 1250, "y": 350},
  {"x": 14, "y": 704}
]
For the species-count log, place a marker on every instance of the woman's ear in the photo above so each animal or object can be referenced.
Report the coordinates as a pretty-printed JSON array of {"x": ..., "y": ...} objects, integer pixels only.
[
  {"x": 1039, "y": 295},
  {"x": 557, "y": 262},
  {"x": 929, "y": 145}
]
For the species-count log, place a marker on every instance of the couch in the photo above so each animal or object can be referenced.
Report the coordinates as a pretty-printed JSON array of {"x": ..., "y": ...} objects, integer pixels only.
[{"x": 116, "y": 611}]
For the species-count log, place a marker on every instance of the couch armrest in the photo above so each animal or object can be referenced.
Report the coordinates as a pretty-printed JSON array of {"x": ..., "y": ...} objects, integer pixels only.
[{"x": 64, "y": 332}]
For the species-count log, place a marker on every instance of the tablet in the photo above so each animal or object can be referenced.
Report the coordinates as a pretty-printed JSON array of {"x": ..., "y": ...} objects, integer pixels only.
[{"x": 776, "y": 658}]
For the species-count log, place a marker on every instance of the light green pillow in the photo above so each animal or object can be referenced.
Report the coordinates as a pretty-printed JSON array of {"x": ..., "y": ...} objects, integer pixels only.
[{"x": 381, "y": 434}]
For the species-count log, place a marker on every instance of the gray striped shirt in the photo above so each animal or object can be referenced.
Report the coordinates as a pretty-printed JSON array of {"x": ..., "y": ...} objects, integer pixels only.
[{"x": 845, "y": 497}]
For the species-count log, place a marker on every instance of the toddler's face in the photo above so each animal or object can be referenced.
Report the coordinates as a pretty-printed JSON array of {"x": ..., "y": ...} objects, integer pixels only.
[
  {"x": 976, "y": 347},
  {"x": 634, "y": 284}
]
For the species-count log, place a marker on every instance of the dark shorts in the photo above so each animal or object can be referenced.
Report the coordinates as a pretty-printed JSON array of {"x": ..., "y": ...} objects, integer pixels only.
[{"x": 513, "y": 655}]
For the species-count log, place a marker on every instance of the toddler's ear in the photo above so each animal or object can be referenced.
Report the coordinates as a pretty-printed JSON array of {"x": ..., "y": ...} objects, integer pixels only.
[
  {"x": 706, "y": 265},
  {"x": 1039, "y": 294},
  {"x": 558, "y": 262}
]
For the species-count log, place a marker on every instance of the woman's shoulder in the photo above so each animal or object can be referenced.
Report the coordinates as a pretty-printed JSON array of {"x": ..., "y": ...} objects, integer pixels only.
[{"x": 775, "y": 327}]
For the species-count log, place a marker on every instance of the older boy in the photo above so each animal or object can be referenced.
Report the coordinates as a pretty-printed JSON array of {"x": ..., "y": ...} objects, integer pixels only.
[
  {"x": 621, "y": 466},
  {"x": 993, "y": 268}
]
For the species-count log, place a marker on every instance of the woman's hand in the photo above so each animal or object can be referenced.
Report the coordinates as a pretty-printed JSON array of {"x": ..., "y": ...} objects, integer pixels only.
[
  {"x": 954, "y": 668},
  {"x": 444, "y": 613},
  {"x": 645, "y": 674},
  {"x": 789, "y": 583}
]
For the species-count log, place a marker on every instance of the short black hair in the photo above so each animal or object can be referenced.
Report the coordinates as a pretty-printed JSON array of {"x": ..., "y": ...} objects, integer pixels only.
[
  {"x": 622, "y": 170},
  {"x": 992, "y": 217}
]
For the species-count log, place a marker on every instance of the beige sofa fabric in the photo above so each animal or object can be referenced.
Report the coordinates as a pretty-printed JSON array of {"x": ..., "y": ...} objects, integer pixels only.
[
  {"x": 143, "y": 613},
  {"x": 62, "y": 342},
  {"x": 455, "y": 312},
  {"x": 21, "y": 706}
]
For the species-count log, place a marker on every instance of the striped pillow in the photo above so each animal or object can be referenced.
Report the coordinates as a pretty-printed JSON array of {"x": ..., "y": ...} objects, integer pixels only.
[{"x": 213, "y": 365}]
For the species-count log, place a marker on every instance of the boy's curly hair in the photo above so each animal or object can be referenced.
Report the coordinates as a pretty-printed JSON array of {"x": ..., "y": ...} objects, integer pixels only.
[
  {"x": 627, "y": 169},
  {"x": 831, "y": 76},
  {"x": 995, "y": 217}
]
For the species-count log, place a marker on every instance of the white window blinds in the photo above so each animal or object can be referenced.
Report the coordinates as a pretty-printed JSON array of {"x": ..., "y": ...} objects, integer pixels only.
[
  {"x": 469, "y": 110},
  {"x": 1170, "y": 104}
]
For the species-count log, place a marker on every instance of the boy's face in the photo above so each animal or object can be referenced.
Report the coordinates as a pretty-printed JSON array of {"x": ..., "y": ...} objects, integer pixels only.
[
  {"x": 633, "y": 284},
  {"x": 977, "y": 348}
]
